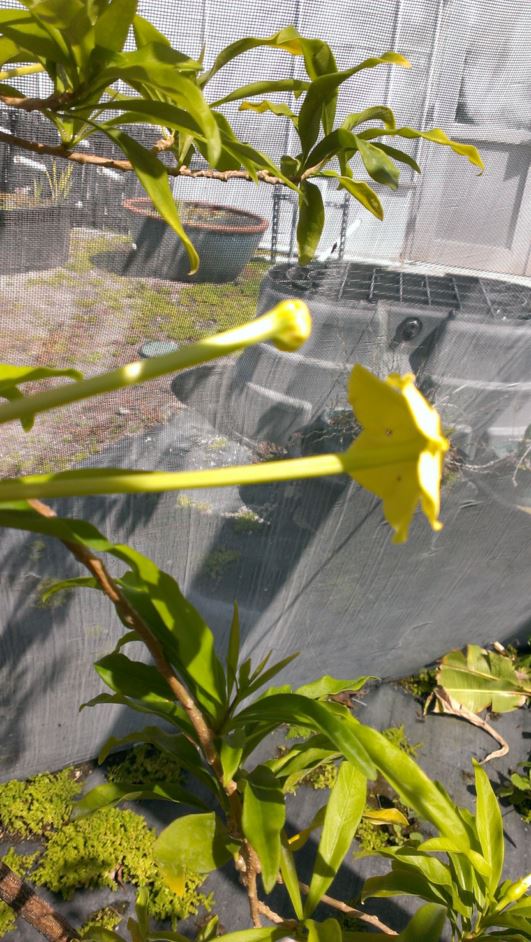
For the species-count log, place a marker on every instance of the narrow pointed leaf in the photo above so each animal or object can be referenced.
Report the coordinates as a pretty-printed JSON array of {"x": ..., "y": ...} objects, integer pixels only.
[
  {"x": 427, "y": 923},
  {"x": 111, "y": 793},
  {"x": 360, "y": 190},
  {"x": 342, "y": 817},
  {"x": 378, "y": 164},
  {"x": 296, "y": 86},
  {"x": 233, "y": 652},
  {"x": 311, "y": 221},
  {"x": 327, "y": 686},
  {"x": 263, "y": 817},
  {"x": 290, "y": 878},
  {"x": 112, "y": 26},
  {"x": 489, "y": 826}
]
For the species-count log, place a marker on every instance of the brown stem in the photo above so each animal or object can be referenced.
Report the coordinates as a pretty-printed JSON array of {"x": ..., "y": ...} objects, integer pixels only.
[
  {"x": 252, "y": 869},
  {"x": 25, "y": 903},
  {"x": 132, "y": 619},
  {"x": 274, "y": 917},
  {"x": 125, "y": 166},
  {"x": 352, "y": 911}
]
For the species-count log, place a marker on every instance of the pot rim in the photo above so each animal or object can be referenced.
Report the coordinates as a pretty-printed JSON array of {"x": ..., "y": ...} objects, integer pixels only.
[{"x": 140, "y": 206}]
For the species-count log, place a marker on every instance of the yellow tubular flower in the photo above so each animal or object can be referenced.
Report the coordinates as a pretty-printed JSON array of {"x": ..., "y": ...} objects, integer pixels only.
[{"x": 395, "y": 415}]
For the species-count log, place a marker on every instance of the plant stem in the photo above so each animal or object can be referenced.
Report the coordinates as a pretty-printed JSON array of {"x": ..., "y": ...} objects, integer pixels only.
[
  {"x": 32, "y": 909},
  {"x": 132, "y": 619},
  {"x": 125, "y": 166},
  {"x": 352, "y": 911}
]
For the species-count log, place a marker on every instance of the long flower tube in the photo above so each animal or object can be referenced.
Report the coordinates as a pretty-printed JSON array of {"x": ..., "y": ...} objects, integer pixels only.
[
  {"x": 288, "y": 325},
  {"x": 398, "y": 456}
]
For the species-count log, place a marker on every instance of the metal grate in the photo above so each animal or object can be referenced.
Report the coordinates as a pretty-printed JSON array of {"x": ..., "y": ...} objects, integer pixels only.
[{"x": 359, "y": 282}]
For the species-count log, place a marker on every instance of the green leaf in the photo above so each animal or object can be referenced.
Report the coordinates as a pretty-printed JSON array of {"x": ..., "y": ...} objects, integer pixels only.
[
  {"x": 436, "y": 136},
  {"x": 296, "y": 86},
  {"x": 197, "y": 843},
  {"x": 385, "y": 816},
  {"x": 342, "y": 732},
  {"x": 233, "y": 651},
  {"x": 85, "y": 582},
  {"x": 342, "y": 817},
  {"x": 153, "y": 177},
  {"x": 427, "y": 923},
  {"x": 339, "y": 142},
  {"x": 111, "y": 793},
  {"x": 360, "y": 190},
  {"x": 287, "y": 39},
  {"x": 448, "y": 846},
  {"x": 413, "y": 786},
  {"x": 261, "y": 677},
  {"x": 279, "y": 109},
  {"x": 31, "y": 36},
  {"x": 311, "y": 221},
  {"x": 376, "y": 113},
  {"x": 402, "y": 883},
  {"x": 132, "y": 679},
  {"x": 187, "y": 641},
  {"x": 323, "y": 90},
  {"x": 399, "y": 155},
  {"x": 263, "y": 818},
  {"x": 13, "y": 375},
  {"x": 327, "y": 686},
  {"x": 170, "y": 712},
  {"x": 290, "y": 877},
  {"x": 99, "y": 934},
  {"x": 113, "y": 25},
  {"x": 230, "y": 754},
  {"x": 489, "y": 826},
  {"x": 378, "y": 164},
  {"x": 254, "y": 935},
  {"x": 479, "y": 679},
  {"x": 328, "y": 930},
  {"x": 145, "y": 33}
]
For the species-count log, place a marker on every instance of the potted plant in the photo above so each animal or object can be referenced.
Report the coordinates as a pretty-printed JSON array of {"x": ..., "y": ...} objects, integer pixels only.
[
  {"x": 225, "y": 238},
  {"x": 35, "y": 223}
]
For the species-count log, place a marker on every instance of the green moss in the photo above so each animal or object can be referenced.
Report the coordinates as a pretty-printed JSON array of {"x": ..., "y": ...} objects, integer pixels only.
[
  {"x": 324, "y": 776},
  {"x": 20, "y": 864},
  {"x": 38, "y": 804},
  {"x": 217, "y": 561},
  {"x": 397, "y": 736},
  {"x": 110, "y": 845},
  {"x": 142, "y": 765}
]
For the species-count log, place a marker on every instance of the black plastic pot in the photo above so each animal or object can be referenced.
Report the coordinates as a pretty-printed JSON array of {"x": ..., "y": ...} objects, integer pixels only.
[
  {"x": 33, "y": 239},
  {"x": 334, "y": 586},
  {"x": 225, "y": 237}
]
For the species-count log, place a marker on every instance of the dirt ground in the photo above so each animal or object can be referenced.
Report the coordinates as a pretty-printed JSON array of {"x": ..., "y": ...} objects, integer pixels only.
[{"x": 90, "y": 316}]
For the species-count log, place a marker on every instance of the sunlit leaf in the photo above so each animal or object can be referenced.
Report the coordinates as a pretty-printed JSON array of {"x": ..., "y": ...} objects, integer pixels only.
[
  {"x": 479, "y": 679},
  {"x": 263, "y": 818}
]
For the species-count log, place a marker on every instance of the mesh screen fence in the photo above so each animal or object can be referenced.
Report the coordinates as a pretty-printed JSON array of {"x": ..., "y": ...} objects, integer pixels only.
[{"x": 438, "y": 288}]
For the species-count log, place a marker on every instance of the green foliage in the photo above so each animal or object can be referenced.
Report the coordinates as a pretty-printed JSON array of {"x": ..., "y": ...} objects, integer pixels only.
[
  {"x": 105, "y": 918},
  {"x": 37, "y": 805},
  {"x": 218, "y": 560},
  {"x": 420, "y": 685},
  {"x": 397, "y": 735},
  {"x": 518, "y": 791},
  {"x": 113, "y": 844},
  {"x": 480, "y": 679},
  {"x": 80, "y": 47},
  {"x": 142, "y": 765}
]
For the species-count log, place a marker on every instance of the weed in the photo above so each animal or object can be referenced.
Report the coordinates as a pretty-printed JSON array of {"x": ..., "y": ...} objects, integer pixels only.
[
  {"x": 420, "y": 685},
  {"x": 106, "y": 918},
  {"x": 397, "y": 736},
  {"x": 189, "y": 503},
  {"x": 217, "y": 561},
  {"x": 247, "y": 521}
]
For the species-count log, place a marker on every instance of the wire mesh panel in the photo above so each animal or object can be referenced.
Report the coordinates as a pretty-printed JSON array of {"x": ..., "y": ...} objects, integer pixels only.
[{"x": 437, "y": 289}]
